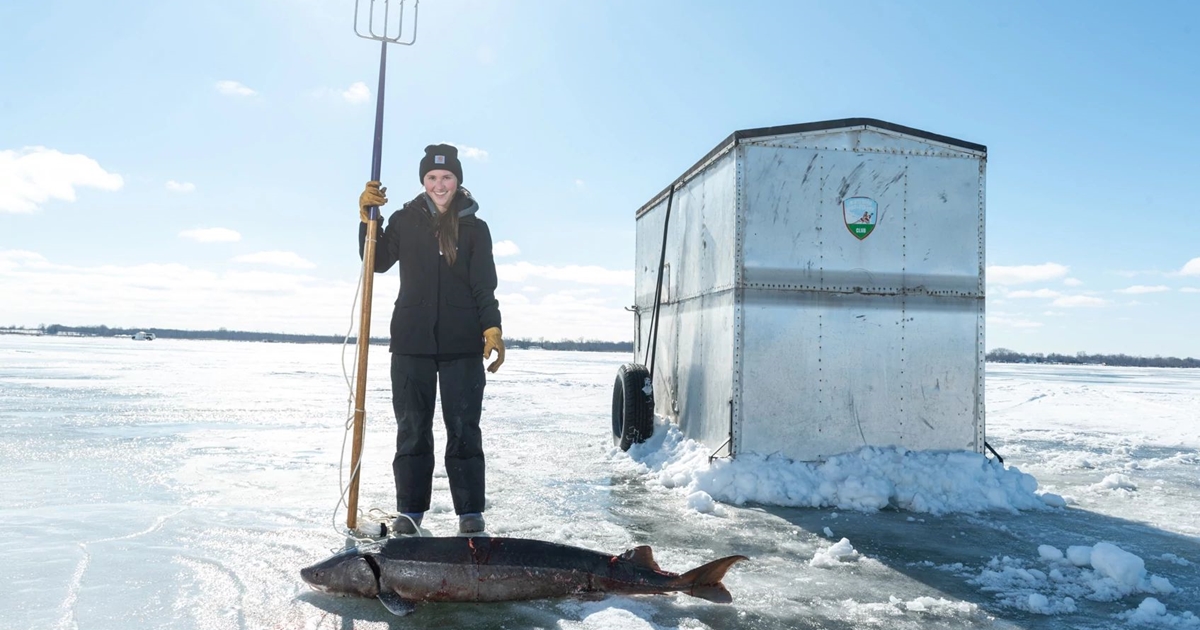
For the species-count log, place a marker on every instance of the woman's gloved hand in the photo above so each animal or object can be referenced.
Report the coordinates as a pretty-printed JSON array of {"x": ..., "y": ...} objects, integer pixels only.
[
  {"x": 373, "y": 195},
  {"x": 492, "y": 341}
]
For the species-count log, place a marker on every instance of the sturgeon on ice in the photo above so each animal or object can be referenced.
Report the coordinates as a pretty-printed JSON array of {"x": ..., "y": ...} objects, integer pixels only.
[{"x": 407, "y": 570}]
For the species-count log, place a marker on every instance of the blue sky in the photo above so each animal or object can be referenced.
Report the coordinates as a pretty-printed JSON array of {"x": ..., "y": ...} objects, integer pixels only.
[{"x": 196, "y": 164}]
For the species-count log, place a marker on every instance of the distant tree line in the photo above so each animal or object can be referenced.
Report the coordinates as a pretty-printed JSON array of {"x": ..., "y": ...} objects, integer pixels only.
[
  {"x": 580, "y": 345},
  {"x": 172, "y": 333},
  {"x": 1004, "y": 355},
  {"x": 242, "y": 335},
  {"x": 999, "y": 355}
]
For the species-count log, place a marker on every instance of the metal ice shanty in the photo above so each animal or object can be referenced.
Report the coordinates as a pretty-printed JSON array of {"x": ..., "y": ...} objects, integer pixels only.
[{"x": 823, "y": 289}]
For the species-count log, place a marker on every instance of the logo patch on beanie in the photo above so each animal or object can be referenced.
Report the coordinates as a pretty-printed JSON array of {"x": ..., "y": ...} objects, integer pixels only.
[{"x": 439, "y": 159}]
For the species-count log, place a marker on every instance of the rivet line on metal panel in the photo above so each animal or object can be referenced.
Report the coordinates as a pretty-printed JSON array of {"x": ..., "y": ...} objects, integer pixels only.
[
  {"x": 903, "y": 302},
  {"x": 884, "y": 291},
  {"x": 820, "y": 313},
  {"x": 981, "y": 318},
  {"x": 903, "y": 152},
  {"x": 814, "y": 135},
  {"x": 735, "y": 409}
]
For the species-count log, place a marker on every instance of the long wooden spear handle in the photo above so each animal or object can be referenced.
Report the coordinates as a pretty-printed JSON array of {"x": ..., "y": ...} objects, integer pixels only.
[
  {"x": 360, "y": 388},
  {"x": 364, "y": 324}
]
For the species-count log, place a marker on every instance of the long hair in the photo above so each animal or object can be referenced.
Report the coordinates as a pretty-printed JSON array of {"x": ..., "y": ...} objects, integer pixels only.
[{"x": 447, "y": 230}]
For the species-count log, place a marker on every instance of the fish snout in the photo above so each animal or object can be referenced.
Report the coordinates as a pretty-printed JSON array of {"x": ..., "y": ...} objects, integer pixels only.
[
  {"x": 343, "y": 574},
  {"x": 312, "y": 577}
]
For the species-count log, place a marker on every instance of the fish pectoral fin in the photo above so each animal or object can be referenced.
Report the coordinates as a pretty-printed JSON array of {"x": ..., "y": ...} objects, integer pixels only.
[{"x": 396, "y": 604}]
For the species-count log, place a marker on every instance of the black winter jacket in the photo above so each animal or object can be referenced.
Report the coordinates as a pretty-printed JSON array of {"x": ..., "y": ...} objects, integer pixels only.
[{"x": 441, "y": 310}]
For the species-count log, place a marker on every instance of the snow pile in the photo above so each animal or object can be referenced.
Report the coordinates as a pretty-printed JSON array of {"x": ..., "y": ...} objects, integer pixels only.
[
  {"x": 869, "y": 479},
  {"x": 1079, "y": 555},
  {"x": 932, "y": 605},
  {"x": 1174, "y": 559},
  {"x": 1154, "y": 613},
  {"x": 703, "y": 503},
  {"x": 1054, "y": 500},
  {"x": 1116, "y": 481},
  {"x": 608, "y": 613},
  {"x": 879, "y": 614},
  {"x": 834, "y": 555},
  {"x": 1126, "y": 570},
  {"x": 1050, "y": 553},
  {"x": 1103, "y": 572}
]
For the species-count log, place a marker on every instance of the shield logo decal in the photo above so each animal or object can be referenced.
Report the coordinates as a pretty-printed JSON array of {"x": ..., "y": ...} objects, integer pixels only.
[{"x": 860, "y": 214}]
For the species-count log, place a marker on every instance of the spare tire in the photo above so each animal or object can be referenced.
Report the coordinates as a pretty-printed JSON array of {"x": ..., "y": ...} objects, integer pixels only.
[{"x": 633, "y": 407}]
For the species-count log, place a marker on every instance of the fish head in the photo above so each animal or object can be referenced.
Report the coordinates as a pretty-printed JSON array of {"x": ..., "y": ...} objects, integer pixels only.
[{"x": 351, "y": 572}]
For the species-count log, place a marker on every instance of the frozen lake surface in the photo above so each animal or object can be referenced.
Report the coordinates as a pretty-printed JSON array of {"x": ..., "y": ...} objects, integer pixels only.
[{"x": 182, "y": 484}]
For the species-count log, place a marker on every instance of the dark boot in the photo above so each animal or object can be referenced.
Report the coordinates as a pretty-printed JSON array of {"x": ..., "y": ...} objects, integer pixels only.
[
  {"x": 470, "y": 524},
  {"x": 407, "y": 525}
]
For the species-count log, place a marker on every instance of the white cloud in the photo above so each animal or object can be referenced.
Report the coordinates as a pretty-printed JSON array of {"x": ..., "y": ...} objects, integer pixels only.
[
  {"x": 1139, "y": 289},
  {"x": 579, "y": 183},
  {"x": 180, "y": 187},
  {"x": 1190, "y": 290},
  {"x": 211, "y": 235},
  {"x": 523, "y": 271},
  {"x": 505, "y": 248},
  {"x": 514, "y": 299},
  {"x": 1040, "y": 293},
  {"x": 358, "y": 93},
  {"x": 1127, "y": 273},
  {"x": 567, "y": 315},
  {"x": 275, "y": 258},
  {"x": 171, "y": 296},
  {"x": 36, "y": 290},
  {"x": 1007, "y": 321},
  {"x": 1071, "y": 301},
  {"x": 1022, "y": 274},
  {"x": 1192, "y": 268},
  {"x": 233, "y": 88},
  {"x": 34, "y": 175},
  {"x": 470, "y": 153},
  {"x": 1073, "y": 282},
  {"x": 13, "y": 258}
]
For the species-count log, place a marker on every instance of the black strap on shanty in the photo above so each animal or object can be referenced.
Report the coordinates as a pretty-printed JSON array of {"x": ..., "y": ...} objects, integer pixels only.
[
  {"x": 662, "y": 259},
  {"x": 989, "y": 447}
]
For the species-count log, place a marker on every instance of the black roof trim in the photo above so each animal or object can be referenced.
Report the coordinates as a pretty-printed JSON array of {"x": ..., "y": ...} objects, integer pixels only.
[{"x": 762, "y": 132}]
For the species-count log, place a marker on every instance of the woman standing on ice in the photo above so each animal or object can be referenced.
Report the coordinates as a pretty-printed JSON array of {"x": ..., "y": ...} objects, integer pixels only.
[{"x": 445, "y": 318}]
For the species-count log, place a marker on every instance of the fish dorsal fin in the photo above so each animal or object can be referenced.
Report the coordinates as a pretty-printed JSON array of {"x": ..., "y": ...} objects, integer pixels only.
[{"x": 642, "y": 556}]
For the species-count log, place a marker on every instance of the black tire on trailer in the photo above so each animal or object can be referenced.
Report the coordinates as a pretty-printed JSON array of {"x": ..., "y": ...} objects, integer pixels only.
[{"x": 633, "y": 409}]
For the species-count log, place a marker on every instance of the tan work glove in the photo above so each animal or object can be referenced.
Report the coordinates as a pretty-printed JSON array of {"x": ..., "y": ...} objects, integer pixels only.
[
  {"x": 373, "y": 195},
  {"x": 492, "y": 341}
]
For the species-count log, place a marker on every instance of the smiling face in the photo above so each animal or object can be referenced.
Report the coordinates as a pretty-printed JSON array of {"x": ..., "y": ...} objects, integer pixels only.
[{"x": 440, "y": 185}]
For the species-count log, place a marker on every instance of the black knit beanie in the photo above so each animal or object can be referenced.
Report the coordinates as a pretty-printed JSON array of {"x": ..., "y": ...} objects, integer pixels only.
[{"x": 441, "y": 156}]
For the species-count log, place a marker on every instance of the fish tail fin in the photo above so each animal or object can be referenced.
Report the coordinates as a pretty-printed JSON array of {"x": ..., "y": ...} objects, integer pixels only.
[{"x": 705, "y": 581}]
